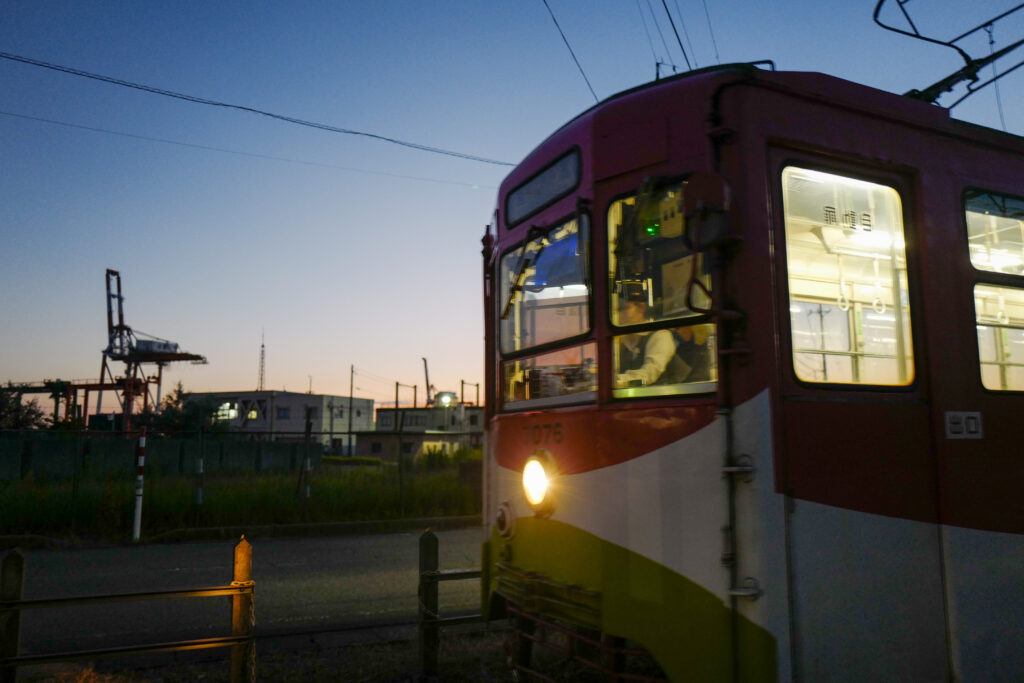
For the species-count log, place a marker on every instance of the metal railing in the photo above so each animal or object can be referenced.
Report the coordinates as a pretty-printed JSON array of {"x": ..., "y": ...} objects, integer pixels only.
[
  {"x": 429, "y": 611},
  {"x": 243, "y": 618}
]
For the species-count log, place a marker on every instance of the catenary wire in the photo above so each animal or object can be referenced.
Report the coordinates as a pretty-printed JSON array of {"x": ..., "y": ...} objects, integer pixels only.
[
  {"x": 714, "y": 43},
  {"x": 673, "y": 24},
  {"x": 657, "y": 25},
  {"x": 566, "y": 41},
  {"x": 650, "y": 42},
  {"x": 215, "y": 103},
  {"x": 686, "y": 34},
  {"x": 999, "y": 99},
  {"x": 238, "y": 152}
]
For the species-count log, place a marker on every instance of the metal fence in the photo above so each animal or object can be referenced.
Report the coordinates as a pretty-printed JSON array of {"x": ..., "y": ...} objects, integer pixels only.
[
  {"x": 58, "y": 455},
  {"x": 431, "y": 620},
  {"x": 243, "y": 618},
  {"x": 88, "y": 484}
]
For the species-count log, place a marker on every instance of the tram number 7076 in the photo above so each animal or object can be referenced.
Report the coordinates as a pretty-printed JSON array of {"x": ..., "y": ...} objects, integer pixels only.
[{"x": 543, "y": 433}]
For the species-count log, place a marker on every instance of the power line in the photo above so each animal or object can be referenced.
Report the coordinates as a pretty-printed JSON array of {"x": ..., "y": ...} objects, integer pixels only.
[
  {"x": 999, "y": 99},
  {"x": 372, "y": 376},
  {"x": 650, "y": 42},
  {"x": 657, "y": 25},
  {"x": 686, "y": 34},
  {"x": 240, "y": 153},
  {"x": 714, "y": 43},
  {"x": 566, "y": 41},
  {"x": 673, "y": 23},
  {"x": 215, "y": 103}
]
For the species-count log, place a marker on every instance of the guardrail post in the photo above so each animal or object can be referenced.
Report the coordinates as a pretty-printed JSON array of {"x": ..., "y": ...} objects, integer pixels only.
[
  {"x": 197, "y": 500},
  {"x": 140, "y": 452},
  {"x": 243, "y": 617},
  {"x": 429, "y": 639},
  {"x": 12, "y": 581}
]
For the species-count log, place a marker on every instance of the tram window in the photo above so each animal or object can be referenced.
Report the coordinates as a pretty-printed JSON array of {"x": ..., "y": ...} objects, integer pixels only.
[
  {"x": 679, "y": 360},
  {"x": 999, "y": 312},
  {"x": 647, "y": 248},
  {"x": 995, "y": 231},
  {"x": 545, "y": 291},
  {"x": 564, "y": 376},
  {"x": 553, "y": 182},
  {"x": 848, "y": 301},
  {"x": 656, "y": 277}
]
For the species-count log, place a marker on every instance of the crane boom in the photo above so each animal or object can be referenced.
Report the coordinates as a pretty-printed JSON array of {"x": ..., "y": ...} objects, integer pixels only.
[{"x": 426, "y": 373}]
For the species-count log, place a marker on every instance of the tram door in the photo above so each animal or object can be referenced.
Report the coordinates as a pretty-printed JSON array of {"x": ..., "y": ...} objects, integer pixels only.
[{"x": 865, "y": 555}]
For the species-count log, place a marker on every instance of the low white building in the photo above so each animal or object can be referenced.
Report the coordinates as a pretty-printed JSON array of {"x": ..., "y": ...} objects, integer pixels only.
[
  {"x": 415, "y": 431},
  {"x": 282, "y": 415}
]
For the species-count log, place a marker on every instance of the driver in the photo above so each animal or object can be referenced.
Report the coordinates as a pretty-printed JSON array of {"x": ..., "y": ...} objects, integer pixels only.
[{"x": 644, "y": 357}]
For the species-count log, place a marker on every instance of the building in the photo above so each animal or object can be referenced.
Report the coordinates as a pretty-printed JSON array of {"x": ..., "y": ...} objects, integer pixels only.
[
  {"x": 415, "y": 431},
  {"x": 282, "y": 415}
]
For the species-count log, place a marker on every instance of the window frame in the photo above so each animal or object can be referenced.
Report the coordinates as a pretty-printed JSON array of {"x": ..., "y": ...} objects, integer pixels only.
[
  {"x": 780, "y": 268},
  {"x": 981, "y": 272},
  {"x": 653, "y": 391},
  {"x": 579, "y": 398},
  {"x": 589, "y": 280},
  {"x": 573, "y": 150},
  {"x": 989, "y": 278}
]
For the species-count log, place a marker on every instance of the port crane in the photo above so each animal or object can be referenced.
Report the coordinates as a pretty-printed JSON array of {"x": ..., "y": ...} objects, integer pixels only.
[
  {"x": 123, "y": 345},
  {"x": 128, "y": 346}
]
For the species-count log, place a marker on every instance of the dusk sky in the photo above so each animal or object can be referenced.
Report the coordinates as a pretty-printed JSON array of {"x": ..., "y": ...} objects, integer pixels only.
[{"x": 340, "y": 249}]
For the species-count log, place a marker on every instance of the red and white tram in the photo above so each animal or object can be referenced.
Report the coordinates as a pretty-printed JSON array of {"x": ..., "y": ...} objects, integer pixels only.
[{"x": 755, "y": 351}]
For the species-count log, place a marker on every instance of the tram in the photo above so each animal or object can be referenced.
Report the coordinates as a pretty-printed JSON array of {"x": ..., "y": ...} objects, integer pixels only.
[{"x": 755, "y": 386}]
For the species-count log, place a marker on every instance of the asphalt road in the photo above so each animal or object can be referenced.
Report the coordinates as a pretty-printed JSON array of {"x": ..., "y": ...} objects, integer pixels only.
[{"x": 302, "y": 584}]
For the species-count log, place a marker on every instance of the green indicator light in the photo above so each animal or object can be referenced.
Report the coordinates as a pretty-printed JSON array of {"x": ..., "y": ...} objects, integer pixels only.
[{"x": 653, "y": 229}]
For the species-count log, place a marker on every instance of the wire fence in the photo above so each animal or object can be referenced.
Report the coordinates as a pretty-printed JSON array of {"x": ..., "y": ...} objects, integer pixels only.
[{"x": 83, "y": 483}]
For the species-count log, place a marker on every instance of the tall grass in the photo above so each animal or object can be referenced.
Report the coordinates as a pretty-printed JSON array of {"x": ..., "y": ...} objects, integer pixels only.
[{"x": 103, "y": 508}]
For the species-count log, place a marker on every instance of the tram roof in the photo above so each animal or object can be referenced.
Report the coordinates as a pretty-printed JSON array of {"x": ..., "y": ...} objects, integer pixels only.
[{"x": 816, "y": 85}]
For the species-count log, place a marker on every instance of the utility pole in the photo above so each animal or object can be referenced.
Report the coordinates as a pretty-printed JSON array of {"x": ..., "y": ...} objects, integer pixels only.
[
  {"x": 351, "y": 378},
  {"x": 462, "y": 391}
]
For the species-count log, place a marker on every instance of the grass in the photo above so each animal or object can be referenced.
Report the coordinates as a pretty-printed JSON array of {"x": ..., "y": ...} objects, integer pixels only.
[{"x": 102, "y": 508}]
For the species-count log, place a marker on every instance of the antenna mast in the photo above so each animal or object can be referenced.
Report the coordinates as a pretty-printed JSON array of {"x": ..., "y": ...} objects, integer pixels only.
[{"x": 263, "y": 363}]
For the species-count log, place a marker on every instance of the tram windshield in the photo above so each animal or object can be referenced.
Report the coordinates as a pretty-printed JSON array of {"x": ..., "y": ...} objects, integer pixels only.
[
  {"x": 848, "y": 300},
  {"x": 656, "y": 281},
  {"x": 545, "y": 288}
]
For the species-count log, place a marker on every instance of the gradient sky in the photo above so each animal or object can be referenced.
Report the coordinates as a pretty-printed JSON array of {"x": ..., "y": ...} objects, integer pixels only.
[{"x": 341, "y": 250}]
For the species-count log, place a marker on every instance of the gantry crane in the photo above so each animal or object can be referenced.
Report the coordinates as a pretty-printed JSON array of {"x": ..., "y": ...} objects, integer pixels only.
[{"x": 124, "y": 345}]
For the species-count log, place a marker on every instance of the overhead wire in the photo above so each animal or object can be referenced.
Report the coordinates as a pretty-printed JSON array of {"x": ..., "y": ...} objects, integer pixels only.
[
  {"x": 281, "y": 117},
  {"x": 650, "y": 42},
  {"x": 711, "y": 30},
  {"x": 657, "y": 25},
  {"x": 566, "y": 41},
  {"x": 371, "y": 376},
  {"x": 999, "y": 100},
  {"x": 686, "y": 34},
  {"x": 673, "y": 24},
  {"x": 238, "y": 152}
]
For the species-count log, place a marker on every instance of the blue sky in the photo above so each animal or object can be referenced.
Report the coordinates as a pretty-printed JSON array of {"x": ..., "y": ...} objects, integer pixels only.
[{"x": 341, "y": 250}]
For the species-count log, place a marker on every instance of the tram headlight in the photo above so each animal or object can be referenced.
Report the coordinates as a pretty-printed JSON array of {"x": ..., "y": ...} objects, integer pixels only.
[{"x": 538, "y": 477}]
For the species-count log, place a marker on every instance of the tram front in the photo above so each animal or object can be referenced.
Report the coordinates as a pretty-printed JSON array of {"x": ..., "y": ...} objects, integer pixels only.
[{"x": 604, "y": 497}]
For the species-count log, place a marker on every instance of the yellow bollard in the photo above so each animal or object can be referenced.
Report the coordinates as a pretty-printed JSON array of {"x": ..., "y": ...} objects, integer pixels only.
[{"x": 243, "y": 616}]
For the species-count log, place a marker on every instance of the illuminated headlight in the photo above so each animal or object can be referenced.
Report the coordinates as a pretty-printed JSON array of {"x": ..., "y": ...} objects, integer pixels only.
[{"x": 538, "y": 475}]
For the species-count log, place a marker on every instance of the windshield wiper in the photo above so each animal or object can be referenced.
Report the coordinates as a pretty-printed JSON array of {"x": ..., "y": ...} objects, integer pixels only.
[{"x": 533, "y": 233}]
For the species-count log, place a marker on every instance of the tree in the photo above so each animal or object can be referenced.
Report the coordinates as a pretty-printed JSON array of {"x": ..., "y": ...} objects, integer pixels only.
[{"x": 16, "y": 414}]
